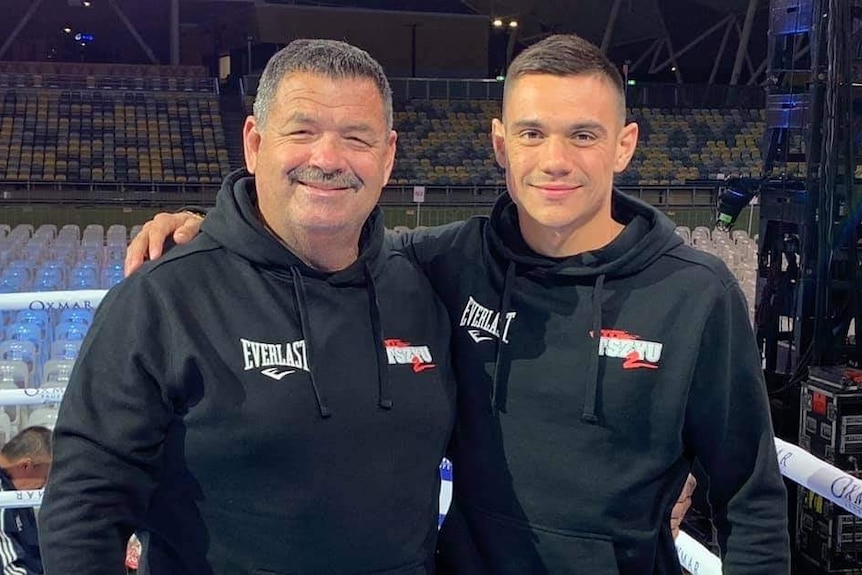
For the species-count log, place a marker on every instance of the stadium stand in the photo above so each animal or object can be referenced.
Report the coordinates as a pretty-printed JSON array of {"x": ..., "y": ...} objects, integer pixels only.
[
  {"x": 446, "y": 143},
  {"x": 98, "y": 124},
  {"x": 38, "y": 347}
]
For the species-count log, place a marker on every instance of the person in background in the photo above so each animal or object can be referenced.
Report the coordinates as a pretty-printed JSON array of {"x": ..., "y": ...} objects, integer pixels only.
[{"x": 25, "y": 461}]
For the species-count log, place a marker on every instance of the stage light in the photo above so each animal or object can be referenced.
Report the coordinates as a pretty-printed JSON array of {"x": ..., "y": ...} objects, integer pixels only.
[
  {"x": 497, "y": 23},
  {"x": 513, "y": 24},
  {"x": 733, "y": 196},
  {"x": 67, "y": 30}
]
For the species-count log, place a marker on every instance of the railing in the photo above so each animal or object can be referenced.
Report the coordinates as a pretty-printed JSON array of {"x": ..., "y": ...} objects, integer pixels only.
[
  {"x": 109, "y": 83},
  {"x": 696, "y": 195},
  {"x": 645, "y": 95}
]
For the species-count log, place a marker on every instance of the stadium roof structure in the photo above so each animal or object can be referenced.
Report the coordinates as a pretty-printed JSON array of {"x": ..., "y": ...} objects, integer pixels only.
[
  {"x": 656, "y": 36},
  {"x": 696, "y": 41}
]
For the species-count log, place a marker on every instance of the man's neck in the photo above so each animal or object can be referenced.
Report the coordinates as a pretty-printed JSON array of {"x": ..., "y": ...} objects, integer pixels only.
[
  {"x": 323, "y": 252},
  {"x": 564, "y": 243}
]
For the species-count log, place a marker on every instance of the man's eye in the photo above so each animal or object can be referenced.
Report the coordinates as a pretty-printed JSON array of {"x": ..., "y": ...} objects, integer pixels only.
[{"x": 531, "y": 134}]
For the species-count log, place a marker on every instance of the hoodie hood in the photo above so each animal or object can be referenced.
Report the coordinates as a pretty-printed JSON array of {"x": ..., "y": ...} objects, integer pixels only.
[
  {"x": 648, "y": 234},
  {"x": 235, "y": 224}
]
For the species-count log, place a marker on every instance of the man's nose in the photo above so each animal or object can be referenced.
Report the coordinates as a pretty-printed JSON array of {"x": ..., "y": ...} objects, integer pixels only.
[
  {"x": 556, "y": 158},
  {"x": 327, "y": 153}
]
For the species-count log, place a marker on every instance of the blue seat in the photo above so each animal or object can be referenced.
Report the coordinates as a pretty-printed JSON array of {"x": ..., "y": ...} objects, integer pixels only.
[
  {"x": 111, "y": 277},
  {"x": 82, "y": 316},
  {"x": 70, "y": 331},
  {"x": 37, "y": 316},
  {"x": 65, "y": 349}
]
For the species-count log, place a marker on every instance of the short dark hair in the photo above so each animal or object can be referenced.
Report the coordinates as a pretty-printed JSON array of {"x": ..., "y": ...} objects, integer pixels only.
[
  {"x": 30, "y": 442},
  {"x": 565, "y": 55},
  {"x": 327, "y": 58}
]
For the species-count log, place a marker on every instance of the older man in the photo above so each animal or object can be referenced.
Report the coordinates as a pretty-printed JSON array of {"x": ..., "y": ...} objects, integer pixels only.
[{"x": 276, "y": 396}]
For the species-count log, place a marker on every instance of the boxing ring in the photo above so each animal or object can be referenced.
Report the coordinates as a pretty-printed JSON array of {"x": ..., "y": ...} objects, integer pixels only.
[{"x": 796, "y": 464}]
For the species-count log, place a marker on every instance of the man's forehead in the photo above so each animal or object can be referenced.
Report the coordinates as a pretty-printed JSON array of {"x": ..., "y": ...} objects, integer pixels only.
[
  {"x": 302, "y": 80},
  {"x": 304, "y": 93},
  {"x": 528, "y": 92}
]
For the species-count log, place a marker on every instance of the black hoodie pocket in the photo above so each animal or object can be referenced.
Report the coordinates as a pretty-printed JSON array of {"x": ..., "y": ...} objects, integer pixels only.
[
  {"x": 412, "y": 569},
  {"x": 511, "y": 547}
]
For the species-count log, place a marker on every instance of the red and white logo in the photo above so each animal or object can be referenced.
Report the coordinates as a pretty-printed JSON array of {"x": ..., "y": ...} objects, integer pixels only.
[
  {"x": 635, "y": 352},
  {"x": 401, "y": 352}
]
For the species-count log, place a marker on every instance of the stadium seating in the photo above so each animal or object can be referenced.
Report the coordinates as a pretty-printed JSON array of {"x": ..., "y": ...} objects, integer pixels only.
[
  {"x": 46, "y": 258},
  {"x": 445, "y": 142},
  {"x": 680, "y": 146},
  {"x": 736, "y": 249},
  {"x": 98, "y": 136}
]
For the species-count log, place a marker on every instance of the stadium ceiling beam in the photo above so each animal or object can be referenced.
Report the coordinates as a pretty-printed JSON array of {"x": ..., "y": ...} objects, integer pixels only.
[
  {"x": 747, "y": 57},
  {"x": 668, "y": 43},
  {"x": 742, "y": 49},
  {"x": 20, "y": 26},
  {"x": 652, "y": 50},
  {"x": 703, "y": 36},
  {"x": 758, "y": 72},
  {"x": 730, "y": 20},
  {"x": 470, "y": 5},
  {"x": 122, "y": 16},
  {"x": 609, "y": 29},
  {"x": 175, "y": 32}
]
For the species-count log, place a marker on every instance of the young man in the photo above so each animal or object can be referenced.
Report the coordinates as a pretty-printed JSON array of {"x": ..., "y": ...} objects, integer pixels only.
[
  {"x": 276, "y": 396},
  {"x": 24, "y": 464},
  {"x": 597, "y": 356}
]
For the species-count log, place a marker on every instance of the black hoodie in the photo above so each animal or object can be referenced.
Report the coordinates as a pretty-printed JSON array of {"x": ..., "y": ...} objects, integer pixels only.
[
  {"x": 249, "y": 414},
  {"x": 587, "y": 386}
]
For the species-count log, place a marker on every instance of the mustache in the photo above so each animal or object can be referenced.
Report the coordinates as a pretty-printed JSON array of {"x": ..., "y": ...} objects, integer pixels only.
[{"x": 311, "y": 176}]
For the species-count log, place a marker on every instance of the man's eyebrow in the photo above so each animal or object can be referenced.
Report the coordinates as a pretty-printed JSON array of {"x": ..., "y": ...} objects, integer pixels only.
[
  {"x": 299, "y": 118},
  {"x": 589, "y": 126},
  {"x": 528, "y": 123},
  {"x": 358, "y": 127}
]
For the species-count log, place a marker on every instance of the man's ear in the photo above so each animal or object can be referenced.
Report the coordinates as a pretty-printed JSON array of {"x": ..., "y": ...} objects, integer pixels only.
[
  {"x": 391, "y": 145},
  {"x": 498, "y": 139},
  {"x": 626, "y": 145},
  {"x": 250, "y": 143}
]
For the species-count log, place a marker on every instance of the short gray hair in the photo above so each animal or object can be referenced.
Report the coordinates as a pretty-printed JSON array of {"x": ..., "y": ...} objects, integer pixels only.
[
  {"x": 327, "y": 58},
  {"x": 33, "y": 441}
]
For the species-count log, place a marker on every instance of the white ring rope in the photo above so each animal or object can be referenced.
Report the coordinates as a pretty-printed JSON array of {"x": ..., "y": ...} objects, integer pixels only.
[{"x": 796, "y": 464}]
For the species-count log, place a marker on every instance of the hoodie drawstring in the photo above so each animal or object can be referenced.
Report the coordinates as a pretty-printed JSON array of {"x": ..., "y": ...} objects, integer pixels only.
[
  {"x": 498, "y": 392},
  {"x": 592, "y": 382},
  {"x": 384, "y": 390},
  {"x": 299, "y": 294}
]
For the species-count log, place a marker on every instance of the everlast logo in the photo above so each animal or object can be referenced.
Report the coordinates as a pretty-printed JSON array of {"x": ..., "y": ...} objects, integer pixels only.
[
  {"x": 274, "y": 356},
  {"x": 484, "y": 324}
]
